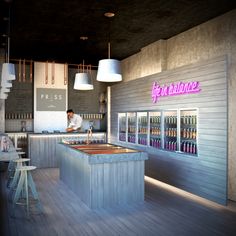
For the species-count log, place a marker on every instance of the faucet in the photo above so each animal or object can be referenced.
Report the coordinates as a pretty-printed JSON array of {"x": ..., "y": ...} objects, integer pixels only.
[{"x": 89, "y": 134}]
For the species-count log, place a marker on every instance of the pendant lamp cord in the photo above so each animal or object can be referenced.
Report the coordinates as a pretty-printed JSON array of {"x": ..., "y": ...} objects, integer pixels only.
[
  {"x": 109, "y": 39},
  {"x": 8, "y": 36}
]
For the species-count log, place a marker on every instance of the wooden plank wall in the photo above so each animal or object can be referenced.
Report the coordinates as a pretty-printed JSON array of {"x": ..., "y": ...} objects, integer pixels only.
[{"x": 205, "y": 175}]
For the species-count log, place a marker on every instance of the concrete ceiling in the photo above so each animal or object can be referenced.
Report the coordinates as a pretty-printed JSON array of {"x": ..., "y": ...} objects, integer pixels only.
[{"x": 51, "y": 29}]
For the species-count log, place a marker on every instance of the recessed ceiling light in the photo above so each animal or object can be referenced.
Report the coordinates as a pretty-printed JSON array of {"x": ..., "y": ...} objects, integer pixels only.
[
  {"x": 83, "y": 37},
  {"x": 109, "y": 14}
]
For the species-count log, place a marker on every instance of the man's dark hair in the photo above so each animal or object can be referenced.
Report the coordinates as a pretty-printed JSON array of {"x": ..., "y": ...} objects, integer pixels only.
[{"x": 69, "y": 110}]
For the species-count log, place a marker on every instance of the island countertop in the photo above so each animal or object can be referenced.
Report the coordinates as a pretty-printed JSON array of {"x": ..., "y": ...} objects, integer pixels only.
[{"x": 104, "y": 153}]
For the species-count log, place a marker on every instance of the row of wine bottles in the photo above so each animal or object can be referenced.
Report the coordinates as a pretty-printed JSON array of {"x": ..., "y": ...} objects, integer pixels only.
[
  {"x": 189, "y": 120},
  {"x": 155, "y": 142},
  {"x": 189, "y": 147},
  {"x": 131, "y": 138},
  {"x": 186, "y": 146},
  {"x": 142, "y": 141},
  {"x": 171, "y": 132},
  {"x": 186, "y": 120},
  {"x": 189, "y": 133}
]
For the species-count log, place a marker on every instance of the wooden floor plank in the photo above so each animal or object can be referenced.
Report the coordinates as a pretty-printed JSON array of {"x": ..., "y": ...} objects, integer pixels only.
[{"x": 163, "y": 212}]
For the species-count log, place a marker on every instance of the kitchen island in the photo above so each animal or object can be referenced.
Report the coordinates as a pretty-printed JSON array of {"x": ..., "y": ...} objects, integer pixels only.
[{"x": 103, "y": 175}]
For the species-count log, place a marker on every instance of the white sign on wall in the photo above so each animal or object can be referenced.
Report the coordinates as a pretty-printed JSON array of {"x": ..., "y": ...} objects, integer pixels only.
[{"x": 49, "y": 99}]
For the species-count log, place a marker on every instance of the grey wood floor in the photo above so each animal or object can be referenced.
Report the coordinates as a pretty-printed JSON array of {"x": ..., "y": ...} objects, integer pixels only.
[{"x": 164, "y": 212}]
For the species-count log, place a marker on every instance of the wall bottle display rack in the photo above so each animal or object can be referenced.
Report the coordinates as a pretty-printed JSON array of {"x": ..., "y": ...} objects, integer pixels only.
[{"x": 170, "y": 130}]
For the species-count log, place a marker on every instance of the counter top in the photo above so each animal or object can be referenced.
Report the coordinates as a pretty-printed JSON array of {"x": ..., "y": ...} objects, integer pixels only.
[
  {"x": 106, "y": 153},
  {"x": 66, "y": 133}
]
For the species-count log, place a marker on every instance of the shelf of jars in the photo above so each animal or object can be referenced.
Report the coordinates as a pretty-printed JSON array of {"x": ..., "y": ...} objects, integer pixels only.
[
  {"x": 131, "y": 116},
  {"x": 92, "y": 116},
  {"x": 18, "y": 116},
  {"x": 169, "y": 130},
  {"x": 155, "y": 129}
]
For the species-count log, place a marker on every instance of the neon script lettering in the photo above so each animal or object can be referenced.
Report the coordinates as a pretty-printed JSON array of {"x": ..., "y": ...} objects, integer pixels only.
[{"x": 174, "y": 89}]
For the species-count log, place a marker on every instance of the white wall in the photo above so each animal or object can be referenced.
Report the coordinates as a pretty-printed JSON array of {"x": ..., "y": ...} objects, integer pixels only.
[{"x": 49, "y": 120}]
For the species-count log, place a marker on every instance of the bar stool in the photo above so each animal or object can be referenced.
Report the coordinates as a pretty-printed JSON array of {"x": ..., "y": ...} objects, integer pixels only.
[
  {"x": 19, "y": 162},
  {"x": 24, "y": 184},
  {"x": 20, "y": 153}
]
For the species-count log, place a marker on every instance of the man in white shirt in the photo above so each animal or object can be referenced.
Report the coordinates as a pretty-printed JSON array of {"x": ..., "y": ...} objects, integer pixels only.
[{"x": 74, "y": 120}]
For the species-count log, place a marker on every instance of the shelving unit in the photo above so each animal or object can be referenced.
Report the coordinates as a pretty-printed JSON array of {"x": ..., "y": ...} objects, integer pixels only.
[
  {"x": 142, "y": 128},
  {"x": 132, "y": 120},
  {"x": 122, "y": 126},
  {"x": 155, "y": 129},
  {"x": 188, "y": 131},
  {"x": 169, "y": 130}
]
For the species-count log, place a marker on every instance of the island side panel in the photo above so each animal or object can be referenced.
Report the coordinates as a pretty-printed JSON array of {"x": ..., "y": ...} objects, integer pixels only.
[
  {"x": 75, "y": 172},
  {"x": 117, "y": 183}
]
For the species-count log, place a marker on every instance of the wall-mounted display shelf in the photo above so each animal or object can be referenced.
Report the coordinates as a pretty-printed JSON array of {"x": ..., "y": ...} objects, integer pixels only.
[
  {"x": 92, "y": 116},
  {"x": 170, "y": 130}
]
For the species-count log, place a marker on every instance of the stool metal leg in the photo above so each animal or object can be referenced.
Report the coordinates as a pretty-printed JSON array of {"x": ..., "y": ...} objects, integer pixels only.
[
  {"x": 19, "y": 187},
  {"x": 15, "y": 179},
  {"x": 10, "y": 172},
  {"x": 34, "y": 191},
  {"x": 27, "y": 194}
]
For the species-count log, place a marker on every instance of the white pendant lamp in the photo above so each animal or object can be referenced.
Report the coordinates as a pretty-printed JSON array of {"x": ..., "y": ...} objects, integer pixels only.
[
  {"x": 5, "y": 90},
  {"x": 109, "y": 70},
  {"x": 3, "y": 95},
  {"x": 8, "y": 72},
  {"x": 83, "y": 79},
  {"x": 83, "y": 82},
  {"x": 8, "y": 69}
]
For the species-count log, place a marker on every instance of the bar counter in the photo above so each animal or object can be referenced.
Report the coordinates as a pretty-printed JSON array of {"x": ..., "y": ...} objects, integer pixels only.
[
  {"x": 103, "y": 175},
  {"x": 42, "y": 146}
]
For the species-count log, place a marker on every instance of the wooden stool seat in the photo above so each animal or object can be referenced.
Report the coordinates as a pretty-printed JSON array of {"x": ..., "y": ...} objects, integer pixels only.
[
  {"x": 26, "y": 168},
  {"x": 21, "y": 160},
  {"x": 20, "y": 153}
]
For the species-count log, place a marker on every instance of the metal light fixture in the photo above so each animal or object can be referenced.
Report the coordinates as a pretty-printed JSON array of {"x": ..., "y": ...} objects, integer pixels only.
[
  {"x": 83, "y": 79},
  {"x": 109, "y": 70}
]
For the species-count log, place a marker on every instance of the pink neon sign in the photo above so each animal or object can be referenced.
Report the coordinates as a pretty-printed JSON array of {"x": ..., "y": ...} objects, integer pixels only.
[{"x": 174, "y": 89}]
